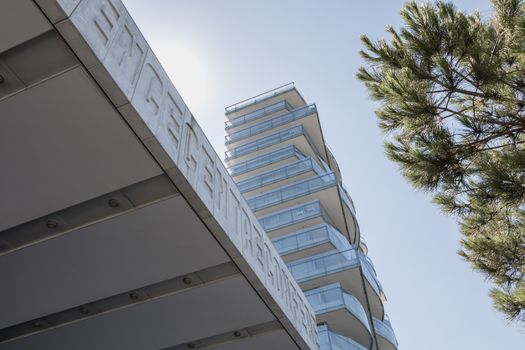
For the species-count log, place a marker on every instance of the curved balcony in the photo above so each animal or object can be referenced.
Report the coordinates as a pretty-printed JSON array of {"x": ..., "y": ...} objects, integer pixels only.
[
  {"x": 368, "y": 263},
  {"x": 347, "y": 200},
  {"x": 257, "y": 114},
  {"x": 350, "y": 214},
  {"x": 292, "y": 191},
  {"x": 286, "y": 92},
  {"x": 322, "y": 187},
  {"x": 268, "y": 180},
  {"x": 264, "y": 142},
  {"x": 363, "y": 247},
  {"x": 294, "y": 218},
  {"x": 310, "y": 241},
  {"x": 342, "y": 311},
  {"x": 271, "y": 124},
  {"x": 332, "y": 162},
  {"x": 373, "y": 287},
  {"x": 332, "y": 341},
  {"x": 296, "y": 135},
  {"x": 348, "y": 267},
  {"x": 386, "y": 337},
  {"x": 271, "y": 159}
]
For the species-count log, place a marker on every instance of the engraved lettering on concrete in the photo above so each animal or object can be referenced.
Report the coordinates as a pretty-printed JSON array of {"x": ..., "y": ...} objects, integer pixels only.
[
  {"x": 285, "y": 291},
  {"x": 106, "y": 21},
  {"x": 190, "y": 153},
  {"x": 246, "y": 234},
  {"x": 173, "y": 120},
  {"x": 98, "y": 22},
  {"x": 206, "y": 173},
  {"x": 267, "y": 261},
  {"x": 259, "y": 251},
  {"x": 125, "y": 57},
  {"x": 110, "y": 33},
  {"x": 233, "y": 218},
  {"x": 276, "y": 271},
  {"x": 220, "y": 205},
  {"x": 153, "y": 91},
  {"x": 148, "y": 95}
]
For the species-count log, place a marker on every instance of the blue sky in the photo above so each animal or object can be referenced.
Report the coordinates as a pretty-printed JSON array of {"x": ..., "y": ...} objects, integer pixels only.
[{"x": 218, "y": 52}]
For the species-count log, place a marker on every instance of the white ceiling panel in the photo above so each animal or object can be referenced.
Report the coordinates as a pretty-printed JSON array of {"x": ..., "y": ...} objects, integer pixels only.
[
  {"x": 62, "y": 143},
  {"x": 213, "y": 309},
  {"x": 149, "y": 245}
]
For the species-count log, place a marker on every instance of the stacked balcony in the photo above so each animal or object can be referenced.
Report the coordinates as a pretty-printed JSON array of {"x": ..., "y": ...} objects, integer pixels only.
[
  {"x": 345, "y": 313},
  {"x": 277, "y": 155},
  {"x": 333, "y": 341},
  {"x": 386, "y": 336}
]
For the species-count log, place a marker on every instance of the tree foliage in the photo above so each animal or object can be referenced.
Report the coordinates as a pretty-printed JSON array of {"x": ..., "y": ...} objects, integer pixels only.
[{"x": 451, "y": 87}]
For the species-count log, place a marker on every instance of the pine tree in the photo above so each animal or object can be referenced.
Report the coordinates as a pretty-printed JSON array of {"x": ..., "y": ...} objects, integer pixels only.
[{"x": 451, "y": 88}]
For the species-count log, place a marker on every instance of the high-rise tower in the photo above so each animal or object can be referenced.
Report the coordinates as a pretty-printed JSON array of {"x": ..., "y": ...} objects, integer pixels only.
[{"x": 277, "y": 155}]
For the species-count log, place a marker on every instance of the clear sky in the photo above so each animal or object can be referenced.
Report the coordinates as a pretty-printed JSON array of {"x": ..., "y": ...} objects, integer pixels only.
[{"x": 219, "y": 52}]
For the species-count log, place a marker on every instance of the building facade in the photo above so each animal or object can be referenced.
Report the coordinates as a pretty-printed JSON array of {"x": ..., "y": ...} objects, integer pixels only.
[{"x": 277, "y": 155}]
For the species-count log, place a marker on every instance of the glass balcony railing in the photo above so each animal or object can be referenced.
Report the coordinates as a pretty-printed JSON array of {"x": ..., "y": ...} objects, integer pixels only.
[
  {"x": 272, "y": 123},
  {"x": 370, "y": 274},
  {"x": 363, "y": 244},
  {"x": 295, "y": 190},
  {"x": 347, "y": 200},
  {"x": 266, "y": 141},
  {"x": 256, "y": 99},
  {"x": 332, "y": 262},
  {"x": 369, "y": 263},
  {"x": 332, "y": 341},
  {"x": 293, "y": 215},
  {"x": 323, "y": 264},
  {"x": 265, "y": 159},
  {"x": 325, "y": 165},
  {"x": 384, "y": 329},
  {"x": 332, "y": 297},
  {"x": 259, "y": 113},
  {"x": 310, "y": 237},
  {"x": 279, "y": 174}
]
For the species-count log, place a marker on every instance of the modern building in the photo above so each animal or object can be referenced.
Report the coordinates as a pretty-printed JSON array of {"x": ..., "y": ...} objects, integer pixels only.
[
  {"x": 120, "y": 227},
  {"x": 277, "y": 155}
]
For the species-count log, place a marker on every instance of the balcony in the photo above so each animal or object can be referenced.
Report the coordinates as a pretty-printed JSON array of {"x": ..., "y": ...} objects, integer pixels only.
[
  {"x": 295, "y": 135},
  {"x": 305, "y": 116},
  {"x": 286, "y": 92},
  {"x": 348, "y": 267},
  {"x": 368, "y": 264},
  {"x": 271, "y": 159},
  {"x": 373, "y": 286},
  {"x": 257, "y": 114},
  {"x": 350, "y": 214},
  {"x": 322, "y": 187},
  {"x": 301, "y": 169},
  {"x": 270, "y": 124},
  {"x": 264, "y": 142},
  {"x": 289, "y": 192},
  {"x": 310, "y": 241},
  {"x": 332, "y": 162},
  {"x": 386, "y": 337},
  {"x": 294, "y": 218},
  {"x": 347, "y": 200},
  {"x": 342, "y": 312},
  {"x": 332, "y": 341},
  {"x": 363, "y": 246}
]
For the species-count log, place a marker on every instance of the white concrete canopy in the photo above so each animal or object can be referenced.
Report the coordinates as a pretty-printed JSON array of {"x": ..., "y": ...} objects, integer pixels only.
[{"x": 119, "y": 225}]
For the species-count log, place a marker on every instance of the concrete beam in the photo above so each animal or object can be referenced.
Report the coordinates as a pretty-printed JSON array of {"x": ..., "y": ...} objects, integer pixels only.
[{"x": 117, "y": 302}]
